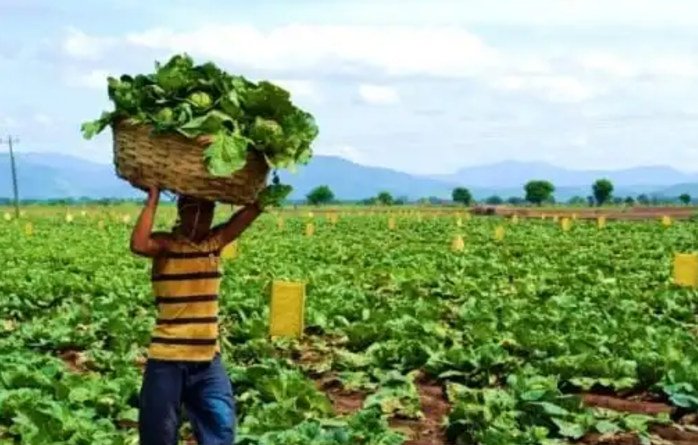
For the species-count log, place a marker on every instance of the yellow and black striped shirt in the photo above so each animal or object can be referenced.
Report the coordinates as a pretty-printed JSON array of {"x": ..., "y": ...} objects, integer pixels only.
[{"x": 186, "y": 283}]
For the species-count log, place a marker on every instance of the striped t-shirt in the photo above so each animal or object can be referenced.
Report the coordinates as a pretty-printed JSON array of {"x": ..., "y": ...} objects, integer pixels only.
[{"x": 186, "y": 282}]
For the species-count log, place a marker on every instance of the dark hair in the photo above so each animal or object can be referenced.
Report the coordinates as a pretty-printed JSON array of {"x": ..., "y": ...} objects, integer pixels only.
[{"x": 203, "y": 204}]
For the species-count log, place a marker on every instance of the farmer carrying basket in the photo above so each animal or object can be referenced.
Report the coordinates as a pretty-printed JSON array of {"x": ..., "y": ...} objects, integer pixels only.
[{"x": 206, "y": 136}]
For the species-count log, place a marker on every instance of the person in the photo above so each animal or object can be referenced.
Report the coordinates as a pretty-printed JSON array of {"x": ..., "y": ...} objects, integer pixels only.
[{"x": 184, "y": 365}]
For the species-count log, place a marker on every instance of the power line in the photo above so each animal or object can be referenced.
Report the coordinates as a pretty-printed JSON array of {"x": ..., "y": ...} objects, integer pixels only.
[{"x": 10, "y": 141}]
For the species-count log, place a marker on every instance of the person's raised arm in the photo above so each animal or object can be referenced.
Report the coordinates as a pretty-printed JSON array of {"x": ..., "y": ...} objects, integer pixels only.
[
  {"x": 229, "y": 231},
  {"x": 272, "y": 195},
  {"x": 143, "y": 241}
]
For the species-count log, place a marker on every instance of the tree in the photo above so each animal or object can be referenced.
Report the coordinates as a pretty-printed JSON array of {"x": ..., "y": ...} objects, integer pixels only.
[
  {"x": 494, "y": 200},
  {"x": 630, "y": 201},
  {"x": 602, "y": 190},
  {"x": 643, "y": 199},
  {"x": 577, "y": 201},
  {"x": 516, "y": 201},
  {"x": 385, "y": 198},
  {"x": 539, "y": 191},
  {"x": 462, "y": 195},
  {"x": 617, "y": 200},
  {"x": 685, "y": 198},
  {"x": 320, "y": 195}
]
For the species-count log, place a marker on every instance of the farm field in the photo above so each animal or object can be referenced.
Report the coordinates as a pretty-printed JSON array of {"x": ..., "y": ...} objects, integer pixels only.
[{"x": 543, "y": 338}]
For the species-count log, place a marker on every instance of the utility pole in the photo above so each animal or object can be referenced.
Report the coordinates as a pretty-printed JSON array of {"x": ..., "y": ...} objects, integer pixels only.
[{"x": 9, "y": 141}]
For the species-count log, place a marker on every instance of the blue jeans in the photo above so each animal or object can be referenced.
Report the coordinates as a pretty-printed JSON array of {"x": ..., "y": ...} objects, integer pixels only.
[{"x": 205, "y": 391}]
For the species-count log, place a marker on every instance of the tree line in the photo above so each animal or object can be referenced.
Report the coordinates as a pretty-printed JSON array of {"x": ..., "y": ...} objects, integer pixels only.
[{"x": 535, "y": 192}]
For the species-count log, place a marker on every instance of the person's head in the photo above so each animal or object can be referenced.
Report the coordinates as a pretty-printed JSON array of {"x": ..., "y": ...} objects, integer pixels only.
[{"x": 195, "y": 216}]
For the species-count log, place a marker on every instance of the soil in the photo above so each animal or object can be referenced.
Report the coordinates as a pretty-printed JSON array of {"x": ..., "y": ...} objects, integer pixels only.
[
  {"x": 74, "y": 360},
  {"x": 426, "y": 431}
]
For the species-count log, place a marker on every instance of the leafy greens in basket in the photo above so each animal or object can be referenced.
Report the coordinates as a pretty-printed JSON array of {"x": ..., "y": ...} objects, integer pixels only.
[{"x": 203, "y": 100}]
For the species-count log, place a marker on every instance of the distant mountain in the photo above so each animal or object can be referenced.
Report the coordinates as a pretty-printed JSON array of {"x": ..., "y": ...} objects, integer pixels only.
[
  {"x": 53, "y": 176},
  {"x": 50, "y": 175},
  {"x": 352, "y": 181},
  {"x": 514, "y": 174},
  {"x": 46, "y": 176}
]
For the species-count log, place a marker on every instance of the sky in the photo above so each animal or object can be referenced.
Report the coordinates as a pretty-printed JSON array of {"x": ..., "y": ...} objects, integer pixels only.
[{"x": 422, "y": 86}]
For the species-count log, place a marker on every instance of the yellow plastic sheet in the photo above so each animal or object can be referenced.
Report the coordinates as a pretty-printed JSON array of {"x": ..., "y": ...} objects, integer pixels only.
[
  {"x": 287, "y": 315},
  {"x": 686, "y": 269}
]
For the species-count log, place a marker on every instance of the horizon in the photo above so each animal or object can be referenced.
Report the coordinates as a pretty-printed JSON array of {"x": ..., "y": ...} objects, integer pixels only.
[
  {"x": 595, "y": 85},
  {"x": 107, "y": 162}
]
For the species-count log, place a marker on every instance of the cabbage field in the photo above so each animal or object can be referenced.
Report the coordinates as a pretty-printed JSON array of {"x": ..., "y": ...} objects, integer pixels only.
[{"x": 545, "y": 337}]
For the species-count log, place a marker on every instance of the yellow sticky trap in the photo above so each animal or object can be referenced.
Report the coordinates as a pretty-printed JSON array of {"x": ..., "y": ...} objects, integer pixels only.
[
  {"x": 391, "y": 223},
  {"x": 457, "y": 245},
  {"x": 666, "y": 221},
  {"x": 333, "y": 219},
  {"x": 280, "y": 224},
  {"x": 574, "y": 217},
  {"x": 686, "y": 269},
  {"x": 467, "y": 216},
  {"x": 420, "y": 218},
  {"x": 100, "y": 225},
  {"x": 126, "y": 219},
  {"x": 556, "y": 218},
  {"x": 230, "y": 251},
  {"x": 309, "y": 229},
  {"x": 515, "y": 219},
  {"x": 287, "y": 315},
  {"x": 601, "y": 222},
  {"x": 459, "y": 222},
  {"x": 22, "y": 213},
  {"x": 499, "y": 233},
  {"x": 7, "y": 217},
  {"x": 542, "y": 217},
  {"x": 310, "y": 214},
  {"x": 83, "y": 213},
  {"x": 566, "y": 224},
  {"x": 68, "y": 218},
  {"x": 28, "y": 229}
]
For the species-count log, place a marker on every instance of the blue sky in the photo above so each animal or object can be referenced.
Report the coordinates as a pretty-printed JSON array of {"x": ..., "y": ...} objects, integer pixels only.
[{"x": 419, "y": 86}]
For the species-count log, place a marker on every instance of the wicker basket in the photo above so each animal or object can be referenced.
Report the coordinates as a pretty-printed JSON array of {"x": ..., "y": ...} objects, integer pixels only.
[{"x": 175, "y": 163}]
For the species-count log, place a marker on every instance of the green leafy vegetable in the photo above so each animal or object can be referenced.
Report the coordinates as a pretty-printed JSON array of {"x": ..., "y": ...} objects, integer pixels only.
[{"x": 203, "y": 100}]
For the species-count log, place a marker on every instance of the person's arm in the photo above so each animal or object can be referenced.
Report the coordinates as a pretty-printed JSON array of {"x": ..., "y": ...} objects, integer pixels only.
[
  {"x": 143, "y": 241},
  {"x": 229, "y": 231}
]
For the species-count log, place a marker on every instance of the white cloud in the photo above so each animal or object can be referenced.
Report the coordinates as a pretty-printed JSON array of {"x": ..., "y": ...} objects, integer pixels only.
[
  {"x": 624, "y": 66},
  {"x": 300, "y": 88},
  {"x": 378, "y": 95},
  {"x": 608, "y": 64},
  {"x": 95, "y": 79},
  {"x": 9, "y": 123},
  {"x": 82, "y": 46},
  {"x": 345, "y": 151},
  {"x": 44, "y": 121},
  {"x": 554, "y": 88},
  {"x": 395, "y": 50}
]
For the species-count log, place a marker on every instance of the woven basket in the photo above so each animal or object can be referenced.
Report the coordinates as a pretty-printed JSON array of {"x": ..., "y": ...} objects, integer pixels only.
[{"x": 175, "y": 163}]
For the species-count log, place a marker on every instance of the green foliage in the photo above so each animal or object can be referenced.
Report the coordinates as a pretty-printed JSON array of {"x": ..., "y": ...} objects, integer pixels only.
[
  {"x": 462, "y": 195},
  {"x": 538, "y": 191},
  {"x": 602, "y": 190},
  {"x": 577, "y": 201},
  {"x": 511, "y": 329},
  {"x": 685, "y": 198},
  {"x": 202, "y": 100},
  {"x": 494, "y": 200},
  {"x": 385, "y": 198},
  {"x": 320, "y": 195}
]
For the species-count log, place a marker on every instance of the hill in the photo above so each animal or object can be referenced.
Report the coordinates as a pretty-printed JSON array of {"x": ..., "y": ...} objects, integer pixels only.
[
  {"x": 51, "y": 176},
  {"x": 517, "y": 173},
  {"x": 47, "y": 176}
]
